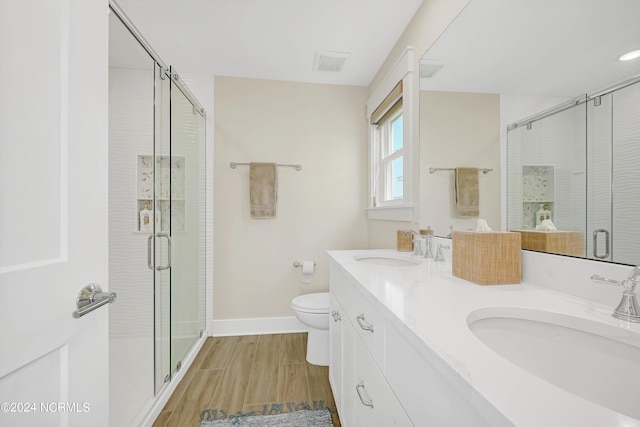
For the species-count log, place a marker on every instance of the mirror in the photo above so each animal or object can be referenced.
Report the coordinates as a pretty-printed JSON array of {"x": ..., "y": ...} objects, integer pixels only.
[
  {"x": 532, "y": 56},
  {"x": 578, "y": 166}
]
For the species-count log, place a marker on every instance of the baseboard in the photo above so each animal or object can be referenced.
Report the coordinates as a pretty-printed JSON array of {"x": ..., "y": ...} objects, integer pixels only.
[{"x": 258, "y": 326}]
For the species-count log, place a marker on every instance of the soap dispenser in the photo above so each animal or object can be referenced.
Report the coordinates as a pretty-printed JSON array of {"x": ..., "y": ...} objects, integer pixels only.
[
  {"x": 146, "y": 215},
  {"x": 145, "y": 218},
  {"x": 543, "y": 213}
]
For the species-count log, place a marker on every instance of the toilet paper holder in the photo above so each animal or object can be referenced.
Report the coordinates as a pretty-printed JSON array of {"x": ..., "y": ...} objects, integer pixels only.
[{"x": 298, "y": 264}]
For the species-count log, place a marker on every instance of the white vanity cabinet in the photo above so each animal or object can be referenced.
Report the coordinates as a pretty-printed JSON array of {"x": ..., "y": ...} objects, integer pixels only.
[
  {"x": 408, "y": 351},
  {"x": 356, "y": 366},
  {"x": 378, "y": 376}
]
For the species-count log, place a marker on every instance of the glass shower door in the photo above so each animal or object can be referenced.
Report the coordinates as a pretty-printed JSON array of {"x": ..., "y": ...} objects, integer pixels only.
[
  {"x": 599, "y": 218},
  {"x": 187, "y": 222},
  {"x": 139, "y": 324},
  {"x": 162, "y": 235},
  {"x": 546, "y": 171}
]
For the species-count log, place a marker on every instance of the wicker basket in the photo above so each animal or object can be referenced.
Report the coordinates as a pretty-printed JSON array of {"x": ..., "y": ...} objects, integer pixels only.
[
  {"x": 555, "y": 242},
  {"x": 487, "y": 258},
  {"x": 405, "y": 244}
]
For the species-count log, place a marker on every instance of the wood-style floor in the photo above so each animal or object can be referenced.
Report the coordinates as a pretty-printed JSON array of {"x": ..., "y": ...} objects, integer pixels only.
[{"x": 245, "y": 374}]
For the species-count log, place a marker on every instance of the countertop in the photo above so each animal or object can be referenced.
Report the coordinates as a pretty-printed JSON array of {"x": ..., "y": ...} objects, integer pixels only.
[{"x": 431, "y": 307}]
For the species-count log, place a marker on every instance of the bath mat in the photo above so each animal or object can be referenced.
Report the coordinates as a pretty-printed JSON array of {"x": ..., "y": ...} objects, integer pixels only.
[
  {"x": 288, "y": 414},
  {"x": 304, "y": 418}
]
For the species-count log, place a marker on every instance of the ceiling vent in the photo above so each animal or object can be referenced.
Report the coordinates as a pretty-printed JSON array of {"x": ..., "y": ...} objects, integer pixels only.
[{"x": 330, "y": 61}]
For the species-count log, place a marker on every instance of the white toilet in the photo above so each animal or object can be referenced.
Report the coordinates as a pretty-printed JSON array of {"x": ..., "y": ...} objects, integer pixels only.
[{"x": 313, "y": 311}]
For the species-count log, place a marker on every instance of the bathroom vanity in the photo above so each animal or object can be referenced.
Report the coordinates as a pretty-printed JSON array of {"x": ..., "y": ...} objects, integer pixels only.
[{"x": 412, "y": 345}]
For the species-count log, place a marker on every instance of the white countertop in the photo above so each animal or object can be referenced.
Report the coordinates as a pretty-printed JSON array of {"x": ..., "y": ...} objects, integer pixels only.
[{"x": 431, "y": 307}]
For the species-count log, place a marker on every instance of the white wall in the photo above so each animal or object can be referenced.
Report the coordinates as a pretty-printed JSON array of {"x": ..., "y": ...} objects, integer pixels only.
[{"x": 322, "y": 207}]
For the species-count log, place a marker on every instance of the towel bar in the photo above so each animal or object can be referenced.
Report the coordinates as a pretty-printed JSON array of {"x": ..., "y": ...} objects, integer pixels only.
[
  {"x": 297, "y": 167},
  {"x": 434, "y": 170}
]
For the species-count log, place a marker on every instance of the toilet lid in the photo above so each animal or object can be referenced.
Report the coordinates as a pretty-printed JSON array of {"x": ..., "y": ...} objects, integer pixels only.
[{"x": 312, "y": 303}]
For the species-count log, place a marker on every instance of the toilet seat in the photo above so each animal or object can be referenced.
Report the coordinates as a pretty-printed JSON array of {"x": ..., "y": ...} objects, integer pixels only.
[{"x": 312, "y": 303}]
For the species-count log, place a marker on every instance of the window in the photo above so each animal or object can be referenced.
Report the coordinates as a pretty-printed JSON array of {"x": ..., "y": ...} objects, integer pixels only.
[
  {"x": 388, "y": 150},
  {"x": 391, "y": 110}
]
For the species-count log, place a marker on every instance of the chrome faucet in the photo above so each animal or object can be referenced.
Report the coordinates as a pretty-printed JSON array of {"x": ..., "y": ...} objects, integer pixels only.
[
  {"x": 628, "y": 308},
  {"x": 439, "y": 256},
  {"x": 416, "y": 241},
  {"x": 428, "y": 252}
]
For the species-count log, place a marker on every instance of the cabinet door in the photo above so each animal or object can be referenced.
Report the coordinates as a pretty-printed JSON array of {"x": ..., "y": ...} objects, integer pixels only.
[
  {"x": 426, "y": 393},
  {"x": 395, "y": 414},
  {"x": 335, "y": 351},
  {"x": 369, "y": 389},
  {"x": 348, "y": 377}
]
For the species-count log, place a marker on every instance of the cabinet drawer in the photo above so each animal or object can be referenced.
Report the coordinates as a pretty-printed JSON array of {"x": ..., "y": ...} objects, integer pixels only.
[
  {"x": 369, "y": 389},
  {"x": 367, "y": 321},
  {"x": 369, "y": 324}
]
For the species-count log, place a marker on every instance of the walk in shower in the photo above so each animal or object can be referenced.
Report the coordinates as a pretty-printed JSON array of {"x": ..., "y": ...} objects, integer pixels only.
[{"x": 157, "y": 223}]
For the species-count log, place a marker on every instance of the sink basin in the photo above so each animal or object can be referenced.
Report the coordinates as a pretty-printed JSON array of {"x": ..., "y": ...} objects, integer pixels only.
[
  {"x": 596, "y": 361},
  {"x": 389, "y": 260}
]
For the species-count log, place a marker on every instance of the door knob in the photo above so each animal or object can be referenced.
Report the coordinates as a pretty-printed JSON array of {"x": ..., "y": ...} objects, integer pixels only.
[{"x": 90, "y": 298}]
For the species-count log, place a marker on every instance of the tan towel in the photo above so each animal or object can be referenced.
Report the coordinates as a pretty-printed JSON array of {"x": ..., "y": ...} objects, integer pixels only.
[
  {"x": 263, "y": 189},
  {"x": 467, "y": 192}
]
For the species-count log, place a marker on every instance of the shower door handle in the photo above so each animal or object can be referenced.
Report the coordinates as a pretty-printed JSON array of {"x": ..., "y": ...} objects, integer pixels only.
[
  {"x": 595, "y": 243},
  {"x": 149, "y": 259},
  {"x": 168, "y": 266}
]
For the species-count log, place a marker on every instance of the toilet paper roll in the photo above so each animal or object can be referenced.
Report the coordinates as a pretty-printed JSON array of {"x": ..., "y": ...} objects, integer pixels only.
[{"x": 307, "y": 271}]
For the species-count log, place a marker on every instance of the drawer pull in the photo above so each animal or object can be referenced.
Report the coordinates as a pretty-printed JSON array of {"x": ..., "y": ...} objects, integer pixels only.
[
  {"x": 363, "y": 323},
  {"x": 336, "y": 316},
  {"x": 369, "y": 402}
]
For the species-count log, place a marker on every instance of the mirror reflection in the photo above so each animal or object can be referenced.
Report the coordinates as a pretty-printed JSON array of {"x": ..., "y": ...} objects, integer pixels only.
[
  {"x": 546, "y": 180},
  {"x": 562, "y": 162},
  {"x": 582, "y": 163}
]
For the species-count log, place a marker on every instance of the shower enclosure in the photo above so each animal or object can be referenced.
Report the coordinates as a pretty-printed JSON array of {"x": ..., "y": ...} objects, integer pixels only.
[
  {"x": 579, "y": 161},
  {"x": 157, "y": 223}
]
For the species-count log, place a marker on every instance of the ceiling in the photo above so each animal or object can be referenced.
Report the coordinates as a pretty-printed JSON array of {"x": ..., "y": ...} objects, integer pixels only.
[
  {"x": 536, "y": 47},
  {"x": 272, "y": 39}
]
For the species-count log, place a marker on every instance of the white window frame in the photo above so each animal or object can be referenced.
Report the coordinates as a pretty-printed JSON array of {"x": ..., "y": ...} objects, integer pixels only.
[
  {"x": 382, "y": 185},
  {"x": 402, "y": 209}
]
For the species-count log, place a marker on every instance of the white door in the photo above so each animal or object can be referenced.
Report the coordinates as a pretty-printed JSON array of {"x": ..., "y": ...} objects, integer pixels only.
[{"x": 53, "y": 211}]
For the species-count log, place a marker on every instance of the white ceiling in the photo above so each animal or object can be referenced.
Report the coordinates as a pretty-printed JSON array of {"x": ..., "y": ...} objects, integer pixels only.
[
  {"x": 537, "y": 47},
  {"x": 272, "y": 39}
]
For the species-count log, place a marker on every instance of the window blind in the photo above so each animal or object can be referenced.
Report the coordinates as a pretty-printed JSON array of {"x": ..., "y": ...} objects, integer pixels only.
[{"x": 388, "y": 106}]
